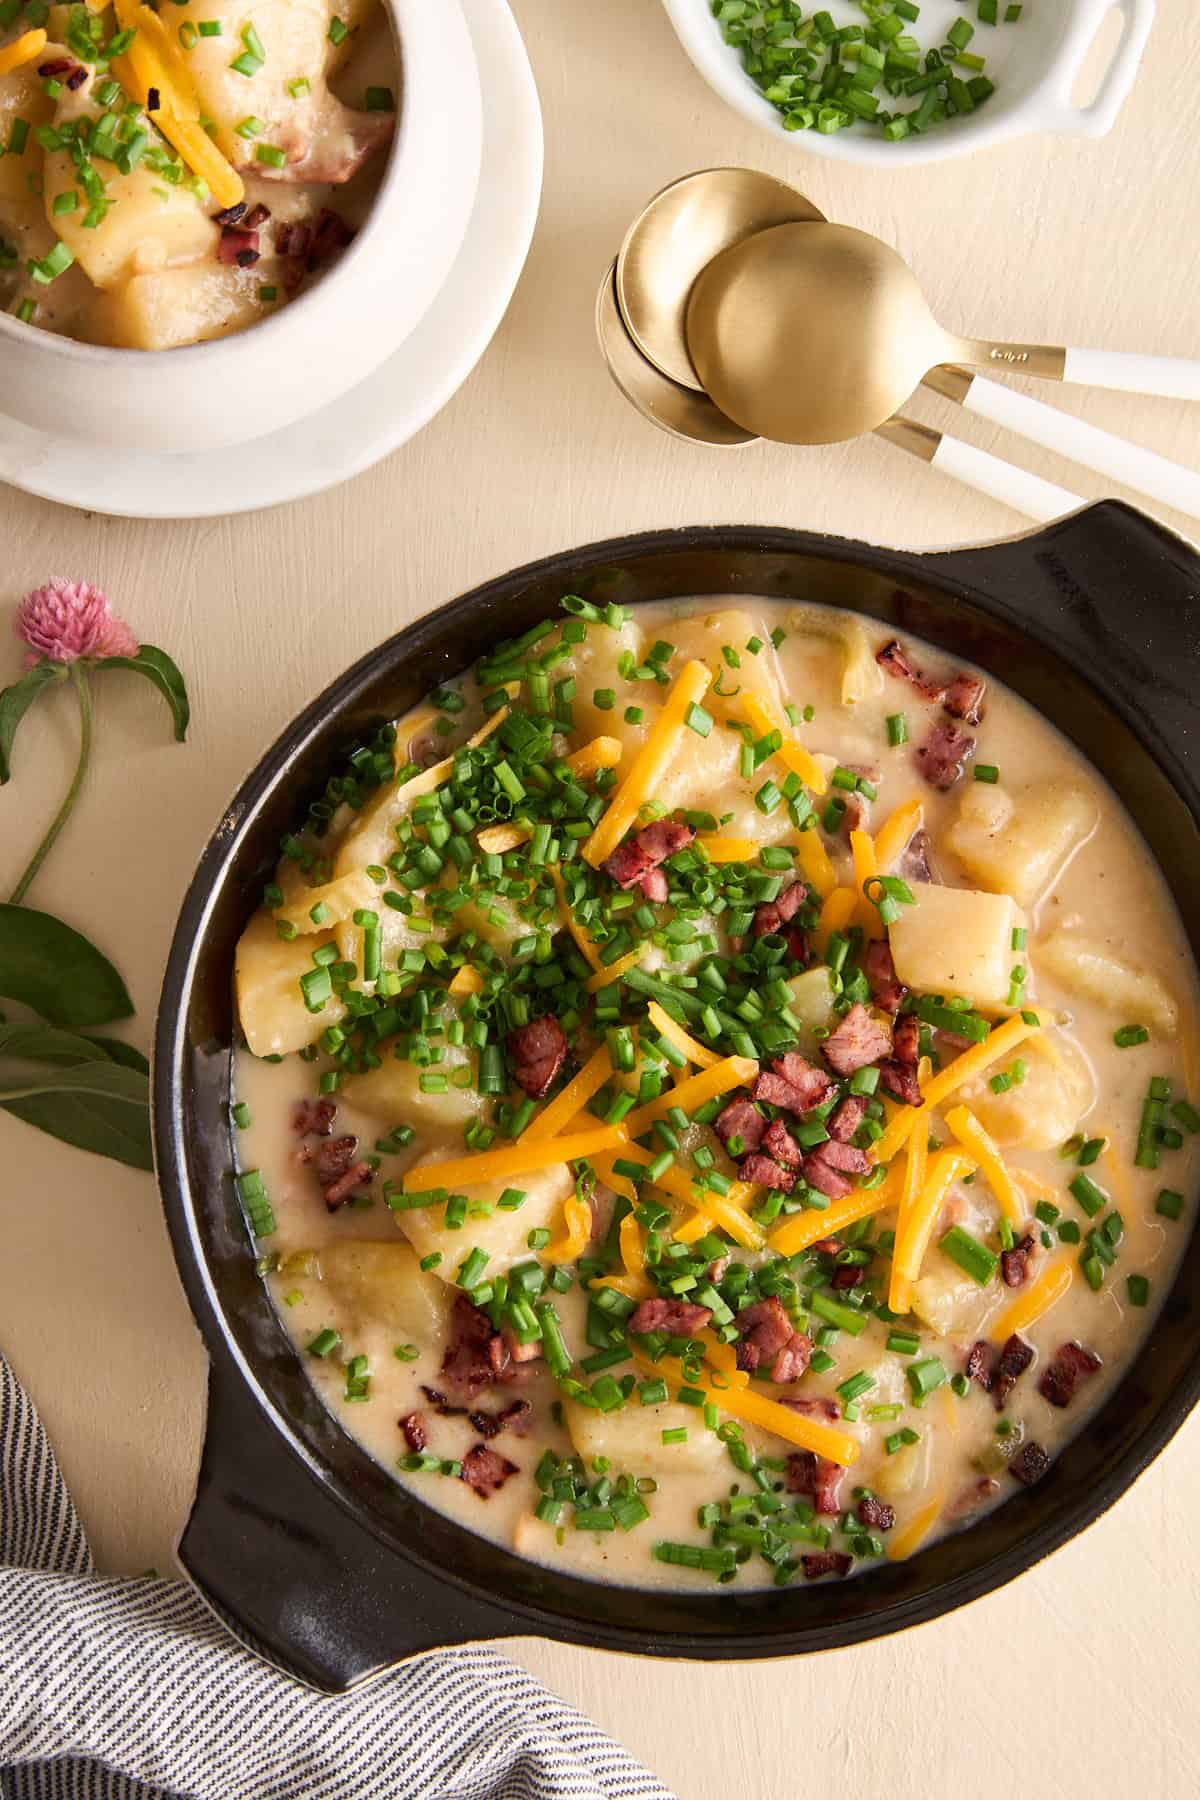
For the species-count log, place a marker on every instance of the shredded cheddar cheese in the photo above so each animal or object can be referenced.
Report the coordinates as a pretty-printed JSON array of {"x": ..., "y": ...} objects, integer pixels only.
[
  {"x": 633, "y": 1251},
  {"x": 1035, "y": 1300},
  {"x": 896, "y": 831},
  {"x": 815, "y": 866},
  {"x": 729, "y": 1072},
  {"x": 912, "y": 1237},
  {"x": 866, "y": 868},
  {"x": 154, "y": 62},
  {"x": 742, "y": 1402},
  {"x": 763, "y": 717},
  {"x": 721, "y": 849},
  {"x": 604, "y": 977},
  {"x": 964, "y": 1068},
  {"x": 466, "y": 980},
  {"x": 806, "y": 1228},
  {"x": 574, "y": 1097},
  {"x": 22, "y": 50},
  {"x": 666, "y": 1027},
  {"x": 836, "y": 914},
  {"x": 514, "y": 1159},
  {"x": 601, "y": 753},
  {"x": 650, "y": 763},
  {"x": 972, "y": 1136},
  {"x": 571, "y": 1246}
]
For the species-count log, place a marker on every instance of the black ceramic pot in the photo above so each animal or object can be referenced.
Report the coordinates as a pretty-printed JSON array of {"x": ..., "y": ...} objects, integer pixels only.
[{"x": 297, "y": 1537}]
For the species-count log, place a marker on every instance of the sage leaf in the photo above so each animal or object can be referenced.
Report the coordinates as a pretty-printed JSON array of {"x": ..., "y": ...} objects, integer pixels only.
[
  {"x": 46, "y": 1043},
  {"x": 14, "y": 704},
  {"x": 54, "y": 969},
  {"x": 96, "y": 1106},
  {"x": 158, "y": 668},
  {"x": 128, "y": 1055}
]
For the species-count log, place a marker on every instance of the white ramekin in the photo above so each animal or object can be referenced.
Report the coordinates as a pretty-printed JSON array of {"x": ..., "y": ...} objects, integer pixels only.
[
  {"x": 233, "y": 389},
  {"x": 1043, "y": 56}
]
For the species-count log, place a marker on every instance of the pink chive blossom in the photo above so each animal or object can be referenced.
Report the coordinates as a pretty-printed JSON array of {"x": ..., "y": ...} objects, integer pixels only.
[{"x": 65, "y": 620}]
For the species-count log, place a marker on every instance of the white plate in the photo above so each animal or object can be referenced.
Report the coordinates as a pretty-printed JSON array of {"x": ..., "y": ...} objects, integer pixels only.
[{"x": 376, "y": 417}]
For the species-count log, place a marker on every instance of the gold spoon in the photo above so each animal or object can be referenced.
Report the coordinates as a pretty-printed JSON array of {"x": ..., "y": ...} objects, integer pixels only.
[
  {"x": 811, "y": 333},
  {"x": 688, "y": 414}
]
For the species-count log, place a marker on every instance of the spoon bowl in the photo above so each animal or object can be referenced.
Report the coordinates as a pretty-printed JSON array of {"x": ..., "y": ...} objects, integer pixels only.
[{"x": 680, "y": 411}]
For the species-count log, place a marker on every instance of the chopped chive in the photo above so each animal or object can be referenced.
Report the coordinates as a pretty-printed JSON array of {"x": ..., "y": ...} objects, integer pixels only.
[{"x": 1130, "y": 1035}]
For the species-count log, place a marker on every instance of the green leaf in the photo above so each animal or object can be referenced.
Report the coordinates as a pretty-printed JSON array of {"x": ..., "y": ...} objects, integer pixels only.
[
  {"x": 157, "y": 667},
  {"x": 15, "y": 702},
  {"x": 45, "y": 1043},
  {"x": 128, "y": 1055},
  {"x": 96, "y": 1106},
  {"x": 52, "y": 968}
]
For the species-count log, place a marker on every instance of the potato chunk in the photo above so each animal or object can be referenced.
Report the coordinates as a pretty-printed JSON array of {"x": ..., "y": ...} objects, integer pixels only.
[
  {"x": 1094, "y": 968},
  {"x": 946, "y": 1300},
  {"x": 171, "y": 307},
  {"x": 957, "y": 942},
  {"x": 1020, "y": 844},
  {"x": 631, "y": 1439},
  {"x": 383, "y": 1285},
  {"x": 267, "y": 975},
  {"x": 594, "y": 664},
  {"x": 393, "y": 1093},
  {"x": 334, "y": 902},
  {"x": 502, "y": 1234},
  {"x": 812, "y": 1002},
  {"x": 1045, "y": 1109},
  {"x": 703, "y": 637},
  {"x": 148, "y": 227}
]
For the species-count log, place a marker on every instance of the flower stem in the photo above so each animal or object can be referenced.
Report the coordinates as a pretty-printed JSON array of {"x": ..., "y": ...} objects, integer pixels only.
[{"x": 81, "y": 676}]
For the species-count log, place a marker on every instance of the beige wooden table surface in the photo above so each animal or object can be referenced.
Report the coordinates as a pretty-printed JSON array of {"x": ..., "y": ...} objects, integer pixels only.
[{"x": 1083, "y": 1672}]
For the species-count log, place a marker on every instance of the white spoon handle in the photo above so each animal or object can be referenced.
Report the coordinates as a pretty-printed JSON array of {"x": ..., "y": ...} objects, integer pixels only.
[
  {"x": 1176, "y": 377},
  {"x": 1088, "y": 445},
  {"x": 980, "y": 470}
]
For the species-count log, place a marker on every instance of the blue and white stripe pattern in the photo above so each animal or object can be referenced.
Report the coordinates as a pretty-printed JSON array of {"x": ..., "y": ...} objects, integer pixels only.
[{"x": 130, "y": 1690}]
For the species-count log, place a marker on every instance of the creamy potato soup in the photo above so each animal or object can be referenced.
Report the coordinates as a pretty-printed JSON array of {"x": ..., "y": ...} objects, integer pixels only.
[
  {"x": 175, "y": 174},
  {"x": 719, "y": 1094}
]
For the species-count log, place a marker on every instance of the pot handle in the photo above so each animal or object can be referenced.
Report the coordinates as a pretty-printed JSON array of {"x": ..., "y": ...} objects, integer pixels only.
[
  {"x": 292, "y": 1575},
  {"x": 1077, "y": 584}
]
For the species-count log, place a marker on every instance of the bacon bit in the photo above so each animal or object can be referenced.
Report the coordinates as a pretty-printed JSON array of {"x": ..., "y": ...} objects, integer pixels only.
[
  {"x": 644, "y": 851},
  {"x": 906, "y": 1040},
  {"x": 876, "y": 1513},
  {"x": 415, "y": 1434},
  {"x": 886, "y": 991},
  {"x": 808, "y": 1473},
  {"x": 763, "y": 1330},
  {"x": 773, "y": 913},
  {"x": 678, "y": 1318},
  {"x": 846, "y": 1118},
  {"x": 779, "y": 1143},
  {"x": 314, "y": 1118},
  {"x": 797, "y": 943},
  {"x": 964, "y": 698},
  {"x": 857, "y": 1041},
  {"x": 827, "y": 1247},
  {"x": 848, "y": 1276},
  {"x": 893, "y": 659},
  {"x": 825, "y": 1562},
  {"x": 741, "y": 1118},
  {"x": 334, "y": 1159},
  {"x": 822, "y": 1175},
  {"x": 153, "y": 100},
  {"x": 1014, "y": 1263},
  {"x": 1012, "y": 1363},
  {"x": 1029, "y": 1464},
  {"x": 764, "y": 1171},
  {"x": 793, "y": 1083},
  {"x": 716, "y": 1270},
  {"x": 256, "y": 218},
  {"x": 340, "y": 1191},
  {"x": 239, "y": 247},
  {"x": 537, "y": 1051},
  {"x": 467, "y": 1365},
  {"x": 485, "y": 1471},
  {"x": 814, "y": 1407},
  {"x": 900, "y": 1082},
  {"x": 232, "y": 215},
  {"x": 330, "y": 235},
  {"x": 655, "y": 886},
  {"x": 293, "y": 240},
  {"x": 519, "y": 1352},
  {"x": 979, "y": 1365},
  {"x": 944, "y": 755},
  {"x": 490, "y": 1425},
  {"x": 794, "y": 1358},
  {"x": 60, "y": 65},
  {"x": 1071, "y": 1365},
  {"x": 915, "y": 862},
  {"x": 846, "y": 1157},
  {"x": 972, "y": 1498}
]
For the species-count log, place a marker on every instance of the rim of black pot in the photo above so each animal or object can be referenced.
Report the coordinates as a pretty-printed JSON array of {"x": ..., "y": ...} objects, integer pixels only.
[{"x": 586, "y": 1610}]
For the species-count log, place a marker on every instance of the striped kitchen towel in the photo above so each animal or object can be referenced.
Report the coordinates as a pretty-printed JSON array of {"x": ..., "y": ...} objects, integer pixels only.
[{"x": 129, "y": 1690}]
